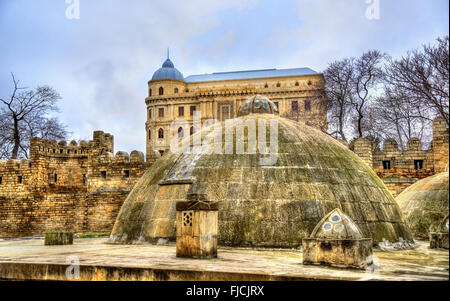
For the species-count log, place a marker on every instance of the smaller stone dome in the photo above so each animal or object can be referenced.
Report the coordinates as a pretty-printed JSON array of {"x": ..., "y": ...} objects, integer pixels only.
[
  {"x": 425, "y": 203},
  {"x": 336, "y": 225},
  {"x": 168, "y": 71},
  {"x": 257, "y": 105}
]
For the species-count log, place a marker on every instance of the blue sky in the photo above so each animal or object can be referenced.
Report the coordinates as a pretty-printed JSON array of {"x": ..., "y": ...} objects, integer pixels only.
[{"x": 100, "y": 64}]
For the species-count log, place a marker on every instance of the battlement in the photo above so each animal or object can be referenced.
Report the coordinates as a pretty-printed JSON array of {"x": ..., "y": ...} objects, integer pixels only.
[
  {"x": 102, "y": 142},
  {"x": 415, "y": 162},
  {"x": 61, "y": 166}
]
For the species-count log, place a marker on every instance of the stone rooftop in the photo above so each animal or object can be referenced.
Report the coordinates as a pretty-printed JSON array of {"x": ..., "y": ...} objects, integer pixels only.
[{"x": 31, "y": 260}]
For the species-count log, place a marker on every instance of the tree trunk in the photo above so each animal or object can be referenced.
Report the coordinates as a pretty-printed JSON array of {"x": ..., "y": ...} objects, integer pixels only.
[{"x": 15, "y": 150}]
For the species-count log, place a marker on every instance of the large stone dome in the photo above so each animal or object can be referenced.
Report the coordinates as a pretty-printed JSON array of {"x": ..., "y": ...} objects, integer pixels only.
[
  {"x": 263, "y": 205},
  {"x": 425, "y": 204}
]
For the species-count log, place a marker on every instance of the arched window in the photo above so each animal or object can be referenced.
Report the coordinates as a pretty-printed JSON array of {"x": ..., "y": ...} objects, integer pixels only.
[
  {"x": 180, "y": 133},
  {"x": 149, "y": 135},
  {"x": 161, "y": 91},
  {"x": 161, "y": 134},
  {"x": 278, "y": 85},
  {"x": 175, "y": 91},
  {"x": 192, "y": 131},
  {"x": 296, "y": 84},
  {"x": 149, "y": 92},
  {"x": 266, "y": 86}
]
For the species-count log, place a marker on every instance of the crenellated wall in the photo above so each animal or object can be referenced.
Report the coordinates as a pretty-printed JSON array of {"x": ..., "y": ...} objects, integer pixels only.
[
  {"x": 67, "y": 186},
  {"x": 399, "y": 169}
]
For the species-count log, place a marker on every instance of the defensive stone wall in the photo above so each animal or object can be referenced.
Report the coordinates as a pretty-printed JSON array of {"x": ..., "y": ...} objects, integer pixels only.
[
  {"x": 401, "y": 168},
  {"x": 77, "y": 187}
]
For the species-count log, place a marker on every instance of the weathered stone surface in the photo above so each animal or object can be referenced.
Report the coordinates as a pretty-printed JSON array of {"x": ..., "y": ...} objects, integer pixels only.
[
  {"x": 402, "y": 171},
  {"x": 197, "y": 229},
  {"x": 269, "y": 206},
  {"x": 58, "y": 238},
  {"x": 337, "y": 241},
  {"x": 425, "y": 204},
  {"x": 439, "y": 239},
  {"x": 66, "y": 187},
  {"x": 343, "y": 253},
  {"x": 31, "y": 260}
]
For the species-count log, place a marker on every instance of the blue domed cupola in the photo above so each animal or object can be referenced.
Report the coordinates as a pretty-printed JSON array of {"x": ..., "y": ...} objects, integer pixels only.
[{"x": 168, "y": 71}]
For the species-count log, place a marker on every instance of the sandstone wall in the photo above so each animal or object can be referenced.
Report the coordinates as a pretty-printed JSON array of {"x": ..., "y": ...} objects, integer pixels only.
[
  {"x": 67, "y": 187},
  {"x": 35, "y": 214},
  {"x": 403, "y": 170}
]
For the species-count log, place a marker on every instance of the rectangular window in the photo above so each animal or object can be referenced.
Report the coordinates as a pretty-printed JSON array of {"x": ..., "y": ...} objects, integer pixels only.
[
  {"x": 149, "y": 113},
  {"x": 85, "y": 182},
  {"x": 1, "y": 180},
  {"x": 418, "y": 164},
  {"x": 61, "y": 151},
  {"x": 20, "y": 179},
  {"x": 193, "y": 109},
  {"x": 103, "y": 174},
  {"x": 180, "y": 111},
  {"x": 126, "y": 173},
  {"x": 294, "y": 105},
  {"x": 386, "y": 165},
  {"x": 55, "y": 178},
  {"x": 277, "y": 104},
  {"x": 307, "y": 105},
  {"x": 161, "y": 112}
]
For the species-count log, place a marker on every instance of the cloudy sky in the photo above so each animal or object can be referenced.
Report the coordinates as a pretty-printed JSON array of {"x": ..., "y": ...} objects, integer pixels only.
[{"x": 101, "y": 62}]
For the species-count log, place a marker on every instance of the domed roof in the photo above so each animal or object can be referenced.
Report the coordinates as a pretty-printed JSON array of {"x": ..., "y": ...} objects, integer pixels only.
[
  {"x": 336, "y": 225},
  {"x": 168, "y": 71},
  {"x": 425, "y": 203},
  {"x": 263, "y": 205},
  {"x": 257, "y": 105}
]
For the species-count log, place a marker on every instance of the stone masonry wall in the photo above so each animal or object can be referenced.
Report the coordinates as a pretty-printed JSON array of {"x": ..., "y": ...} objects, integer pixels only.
[
  {"x": 399, "y": 169},
  {"x": 67, "y": 187}
]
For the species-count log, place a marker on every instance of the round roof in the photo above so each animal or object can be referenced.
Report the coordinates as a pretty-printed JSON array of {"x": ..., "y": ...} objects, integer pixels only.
[
  {"x": 168, "y": 71},
  {"x": 425, "y": 204},
  {"x": 263, "y": 205},
  {"x": 257, "y": 105}
]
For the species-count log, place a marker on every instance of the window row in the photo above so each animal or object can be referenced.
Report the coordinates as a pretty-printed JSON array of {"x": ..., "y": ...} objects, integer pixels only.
[
  {"x": 176, "y": 90},
  {"x": 418, "y": 164},
  {"x": 306, "y": 104},
  {"x": 161, "y": 112},
  {"x": 61, "y": 151},
  {"x": 180, "y": 133},
  {"x": 19, "y": 180},
  {"x": 278, "y": 85},
  {"x": 161, "y": 91}
]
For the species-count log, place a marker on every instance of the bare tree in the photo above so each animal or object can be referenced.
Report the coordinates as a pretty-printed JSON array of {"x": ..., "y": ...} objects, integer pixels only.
[
  {"x": 339, "y": 89},
  {"x": 394, "y": 115},
  {"x": 423, "y": 76},
  {"x": 367, "y": 73},
  {"x": 25, "y": 114}
]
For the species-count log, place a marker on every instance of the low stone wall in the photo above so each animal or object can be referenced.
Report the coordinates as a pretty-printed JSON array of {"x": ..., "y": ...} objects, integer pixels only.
[{"x": 35, "y": 214}]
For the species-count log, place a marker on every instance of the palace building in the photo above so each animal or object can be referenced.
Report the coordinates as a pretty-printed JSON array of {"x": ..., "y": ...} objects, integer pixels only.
[{"x": 298, "y": 93}]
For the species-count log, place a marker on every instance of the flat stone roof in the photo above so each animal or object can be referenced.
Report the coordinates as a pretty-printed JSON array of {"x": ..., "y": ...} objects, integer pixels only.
[{"x": 29, "y": 259}]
